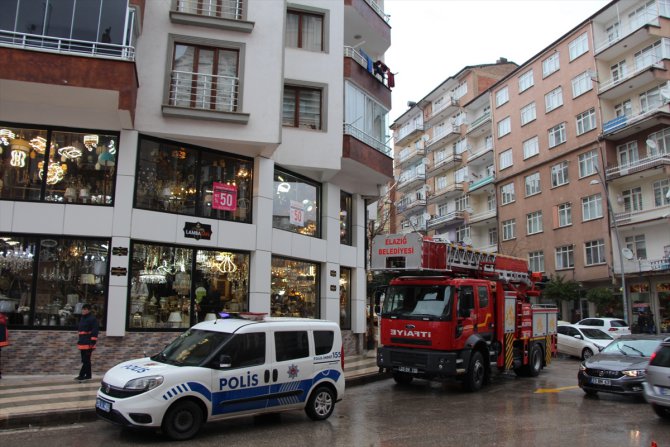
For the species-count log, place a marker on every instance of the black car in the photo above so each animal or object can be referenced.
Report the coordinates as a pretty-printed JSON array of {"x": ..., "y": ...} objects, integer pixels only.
[{"x": 620, "y": 367}]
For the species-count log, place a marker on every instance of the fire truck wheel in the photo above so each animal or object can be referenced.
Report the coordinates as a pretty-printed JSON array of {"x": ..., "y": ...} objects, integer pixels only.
[
  {"x": 535, "y": 361},
  {"x": 476, "y": 376},
  {"x": 402, "y": 378}
]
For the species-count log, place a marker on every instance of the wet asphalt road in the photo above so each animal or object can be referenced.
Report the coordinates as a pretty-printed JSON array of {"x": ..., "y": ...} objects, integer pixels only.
[{"x": 545, "y": 411}]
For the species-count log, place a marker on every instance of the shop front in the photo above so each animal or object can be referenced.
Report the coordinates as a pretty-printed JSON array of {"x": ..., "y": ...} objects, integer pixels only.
[{"x": 294, "y": 288}]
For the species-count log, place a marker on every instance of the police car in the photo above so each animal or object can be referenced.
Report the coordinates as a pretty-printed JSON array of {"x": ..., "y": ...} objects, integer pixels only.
[{"x": 228, "y": 368}]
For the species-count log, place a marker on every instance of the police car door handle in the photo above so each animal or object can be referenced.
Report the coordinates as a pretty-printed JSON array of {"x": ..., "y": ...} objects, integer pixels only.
[
  {"x": 275, "y": 374},
  {"x": 267, "y": 376}
]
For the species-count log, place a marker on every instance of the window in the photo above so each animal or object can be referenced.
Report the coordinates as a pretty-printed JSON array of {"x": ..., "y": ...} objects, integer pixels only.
[
  {"x": 531, "y": 147},
  {"x": 627, "y": 154},
  {"x": 460, "y": 90},
  {"x": 506, "y": 159},
  {"x": 632, "y": 199},
  {"x": 493, "y": 236},
  {"x": 504, "y": 127},
  {"x": 534, "y": 222},
  {"x": 588, "y": 163},
  {"x": 592, "y": 207},
  {"x": 291, "y": 345},
  {"x": 441, "y": 182},
  {"x": 578, "y": 46},
  {"x": 302, "y": 107},
  {"x": 507, "y": 193},
  {"x": 623, "y": 108},
  {"x": 509, "y": 229},
  {"x": 618, "y": 71},
  {"x": 367, "y": 118},
  {"x": 346, "y": 207},
  {"x": 581, "y": 84},
  {"x": 536, "y": 261},
  {"x": 345, "y": 298},
  {"x": 661, "y": 188},
  {"x": 79, "y": 165},
  {"x": 559, "y": 174},
  {"x": 648, "y": 56},
  {"x": 662, "y": 140},
  {"x": 550, "y": 65},
  {"x": 177, "y": 178},
  {"x": 533, "y": 184},
  {"x": 304, "y": 30},
  {"x": 204, "y": 77},
  {"x": 586, "y": 121},
  {"x": 526, "y": 81},
  {"x": 557, "y": 135},
  {"x": 553, "y": 99},
  {"x": 323, "y": 342},
  {"x": 462, "y": 233},
  {"x": 650, "y": 100},
  {"x": 565, "y": 258},
  {"x": 491, "y": 202},
  {"x": 528, "y": 113},
  {"x": 227, "y": 9},
  {"x": 460, "y": 174},
  {"x": 460, "y": 146},
  {"x": 637, "y": 245},
  {"x": 564, "y": 214},
  {"x": 502, "y": 96},
  {"x": 296, "y": 204},
  {"x": 483, "y": 293},
  {"x": 462, "y": 203},
  {"x": 595, "y": 252},
  {"x": 289, "y": 302},
  {"x": 245, "y": 350}
]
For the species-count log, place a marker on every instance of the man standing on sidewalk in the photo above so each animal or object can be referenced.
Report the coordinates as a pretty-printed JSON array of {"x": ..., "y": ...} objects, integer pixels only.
[{"x": 88, "y": 336}]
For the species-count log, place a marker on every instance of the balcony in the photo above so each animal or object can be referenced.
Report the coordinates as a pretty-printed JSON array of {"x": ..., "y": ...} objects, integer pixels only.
[
  {"x": 365, "y": 157},
  {"x": 408, "y": 205},
  {"x": 483, "y": 216},
  {"x": 411, "y": 181},
  {"x": 477, "y": 126},
  {"x": 625, "y": 126},
  {"x": 661, "y": 265},
  {"x": 450, "y": 217},
  {"x": 443, "y": 111},
  {"x": 651, "y": 215},
  {"x": 407, "y": 133},
  {"x": 479, "y": 152},
  {"x": 223, "y": 14},
  {"x": 61, "y": 45},
  {"x": 628, "y": 36},
  {"x": 367, "y": 19},
  {"x": 439, "y": 139},
  {"x": 644, "y": 75},
  {"x": 450, "y": 191},
  {"x": 356, "y": 69},
  {"x": 475, "y": 185},
  {"x": 443, "y": 165},
  {"x": 410, "y": 155},
  {"x": 651, "y": 162}
]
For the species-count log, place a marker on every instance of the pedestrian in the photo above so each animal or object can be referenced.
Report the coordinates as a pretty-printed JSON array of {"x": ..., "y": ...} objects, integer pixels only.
[
  {"x": 4, "y": 337},
  {"x": 88, "y": 336}
]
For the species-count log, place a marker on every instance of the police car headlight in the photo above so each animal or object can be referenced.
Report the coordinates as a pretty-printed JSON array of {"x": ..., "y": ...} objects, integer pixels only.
[
  {"x": 634, "y": 373},
  {"x": 144, "y": 383}
]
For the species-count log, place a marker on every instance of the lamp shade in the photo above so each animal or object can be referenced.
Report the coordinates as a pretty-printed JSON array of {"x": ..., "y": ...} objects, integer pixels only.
[
  {"x": 174, "y": 319},
  {"x": 106, "y": 159},
  {"x": 87, "y": 278}
]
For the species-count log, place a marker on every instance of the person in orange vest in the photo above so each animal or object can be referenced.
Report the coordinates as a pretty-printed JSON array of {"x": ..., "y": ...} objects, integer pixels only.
[
  {"x": 4, "y": 337},
  {"x": 88, "y": 336}
]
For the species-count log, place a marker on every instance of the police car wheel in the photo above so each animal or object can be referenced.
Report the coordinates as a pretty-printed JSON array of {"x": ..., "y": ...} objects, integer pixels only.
[
  {"x": 320, "y": 404},
  {"x": 183, "y": 420}
]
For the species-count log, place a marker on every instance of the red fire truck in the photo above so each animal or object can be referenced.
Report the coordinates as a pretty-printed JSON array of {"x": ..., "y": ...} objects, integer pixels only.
[{"x": 462, "y": 313}]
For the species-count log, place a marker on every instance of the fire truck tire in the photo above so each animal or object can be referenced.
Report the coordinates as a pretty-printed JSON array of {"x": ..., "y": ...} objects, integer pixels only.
[
  {"x": 402, "y": 378},
  {"x": 476, "y": 375},
  {"x": 535, "y": 361}
]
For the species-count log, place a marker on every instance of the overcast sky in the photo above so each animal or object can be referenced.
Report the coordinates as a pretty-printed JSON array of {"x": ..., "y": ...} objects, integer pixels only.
[{"x": 434, "y": 39}]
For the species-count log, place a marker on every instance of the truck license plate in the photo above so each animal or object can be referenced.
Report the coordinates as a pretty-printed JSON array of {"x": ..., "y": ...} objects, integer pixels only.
[
  {"x": 407, "y": 369},
  {"x": 598, "y": 381},
  {"x": 103, "y": 405}
]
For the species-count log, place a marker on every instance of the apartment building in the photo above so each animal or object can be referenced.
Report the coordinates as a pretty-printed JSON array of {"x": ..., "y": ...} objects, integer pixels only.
[
  {"x": 167, "y": 161},
  {"x": 444, "y": 158}
]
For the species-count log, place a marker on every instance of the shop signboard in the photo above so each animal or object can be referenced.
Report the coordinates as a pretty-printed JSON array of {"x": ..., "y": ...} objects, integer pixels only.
[
  {"x": 197, "y": 230},
  {"x": 224, "y": 197},
  {"x": 297, "y": 214}
]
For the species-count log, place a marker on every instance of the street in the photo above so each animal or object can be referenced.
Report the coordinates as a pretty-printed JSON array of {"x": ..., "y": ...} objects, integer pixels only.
[{"x": 545, "y": 411}]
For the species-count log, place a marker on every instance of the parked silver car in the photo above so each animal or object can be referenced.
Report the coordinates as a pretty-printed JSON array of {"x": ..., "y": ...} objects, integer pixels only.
[{"x": 657, "y": 385}]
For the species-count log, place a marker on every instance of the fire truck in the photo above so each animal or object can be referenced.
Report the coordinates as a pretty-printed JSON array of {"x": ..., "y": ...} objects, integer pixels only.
[{"x": 457, "y": 312}]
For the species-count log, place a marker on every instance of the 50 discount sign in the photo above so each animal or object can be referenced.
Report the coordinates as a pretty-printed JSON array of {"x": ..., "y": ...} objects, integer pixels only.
[{"x": 224, "y": 197}]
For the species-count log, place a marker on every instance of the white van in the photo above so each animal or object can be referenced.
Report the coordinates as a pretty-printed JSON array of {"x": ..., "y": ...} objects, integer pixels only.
[{"x": 228, "y": 368}]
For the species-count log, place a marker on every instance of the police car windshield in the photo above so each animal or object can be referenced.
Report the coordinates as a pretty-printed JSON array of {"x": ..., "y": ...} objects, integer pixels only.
[
  {"x": 418, "y": 302},
  {"x": 192, "y": 347}
]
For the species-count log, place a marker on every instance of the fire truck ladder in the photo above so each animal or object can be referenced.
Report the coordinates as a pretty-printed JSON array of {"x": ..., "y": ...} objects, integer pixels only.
[{"x": 486, "y": 264}]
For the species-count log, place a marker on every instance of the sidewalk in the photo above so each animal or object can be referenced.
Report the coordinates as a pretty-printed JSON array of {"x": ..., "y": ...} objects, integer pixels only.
[{"x": 58, "y": 399}]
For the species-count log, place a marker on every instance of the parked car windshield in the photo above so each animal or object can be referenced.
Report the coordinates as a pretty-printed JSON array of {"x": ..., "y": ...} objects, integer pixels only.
[
  {"x": 596, "y": 334},
  {"x": 418, "y": 301},
  {"x": 192, "y": 347},
  {"x": 635, "y": 348}
]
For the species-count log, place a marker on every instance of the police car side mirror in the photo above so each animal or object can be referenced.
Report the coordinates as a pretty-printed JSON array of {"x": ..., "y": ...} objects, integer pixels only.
[{"x": 225, "y": 361}]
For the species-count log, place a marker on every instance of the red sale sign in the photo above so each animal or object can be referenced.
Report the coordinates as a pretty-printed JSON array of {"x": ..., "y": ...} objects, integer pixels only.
[{"x": 224, "y": 197}]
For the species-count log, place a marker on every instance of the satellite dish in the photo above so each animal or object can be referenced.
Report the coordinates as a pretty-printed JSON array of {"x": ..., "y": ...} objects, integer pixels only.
[
  {"x": 651, "y": 144},
  {"x": 665, "y": 93},
  {"x": 627, "y": 253},
  {"x": 467, "y": 240},
  {"x": 426, "y": 216}
]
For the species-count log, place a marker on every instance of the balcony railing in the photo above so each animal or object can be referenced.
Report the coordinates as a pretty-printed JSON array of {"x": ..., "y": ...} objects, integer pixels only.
[
  {"x": 449, "y": 102},
  {"x": 481, "y": 120},
  {"x": 644, "y": 265},
  {"x": 364, "y": 62},
  {"x": 479, "y": 152},
  {"x": 608, "y": 84},
  {"x": 439, "y": 220},
  {"x": 367, "y": 139},
  {"x": 481, "y": 182},
  {"x": 408, "y": 130},
  {"x": 639, "y": 216},
  {"x": 223, "y": 9},
  {"x": 451, "y": 130},
  {"x": 405, "y": 156},
  {"x": 66, "y": 46},
  {"x": 621, "y": 122},
  {"x": 203, "y": 91},
  {"x": 448, "y": 161},
  {"x": 638, "y": 165},
  {"x": 406, "y": 205},
  {"x": 378, "y": 9},
  {"x": 484, "y": 215},
  {"x": 408, "y": 180},
  {"x": 627, "y": 29}
]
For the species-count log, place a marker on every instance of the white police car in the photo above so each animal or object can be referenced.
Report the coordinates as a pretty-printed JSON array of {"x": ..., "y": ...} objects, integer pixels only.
[{"x": 228, "y": 368}]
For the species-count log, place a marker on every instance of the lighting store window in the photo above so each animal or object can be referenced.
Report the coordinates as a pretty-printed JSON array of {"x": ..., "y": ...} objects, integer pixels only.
[
  {"x": 502, "y": 96},
  {"x": 506, "y": 159},
  {"x": 346, "y": 207},
  {"x": 578, "y": 46},
  {"x": 595, "y": 252},
  {"x": 588, "y": 163},
  {"x": 553, "y": 99},
  {"x": 531, "y": 147},
  {"x": 204, "y": 76},
  {"x": 557, "y": 135},
  {"x": 661, "y": 189},
  {"x": 581, "y": 84},
  {"x": 302, "y": 107},
  {"x": 564, "y": 215},
  {"x": 189, "y": 180},
  {"x": 536, "y": 261},
  {"x": 565, "y": 257},
  {"x": 534, "y": 222},
  {"x": 304, "y": 30},
  {"x": 528, "y": 113},
  {"x": 532, "y": 184},
  {"x": 296, "y": 204},
  {"x": 294, "y": 288},
  {"x": 559, "y": 174},
  {"x": 526, "y": 81},
  {"x": 550, "y": 65},
  {"x": 507, "y": 193},
  {"x": 174, "y": 287},
  {"x": 45, "y": 280},
  {"x": 509, "y": 229},
  {"x": 53, "y": 165},
  {"x": 586, "y": 121},
  {"x": 345, "y": 298},
  {"x": 592, "y": 207},
  {"x": 504, "y": 127}
]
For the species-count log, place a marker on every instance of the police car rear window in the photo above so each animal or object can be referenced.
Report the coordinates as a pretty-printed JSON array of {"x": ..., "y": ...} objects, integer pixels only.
[{"x": 323, "y": 342}]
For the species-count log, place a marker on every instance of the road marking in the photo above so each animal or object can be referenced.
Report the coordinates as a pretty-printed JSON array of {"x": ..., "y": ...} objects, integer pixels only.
[
  {"x": 12, "y": 431},
  {"x": 556, "y": 390}
]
